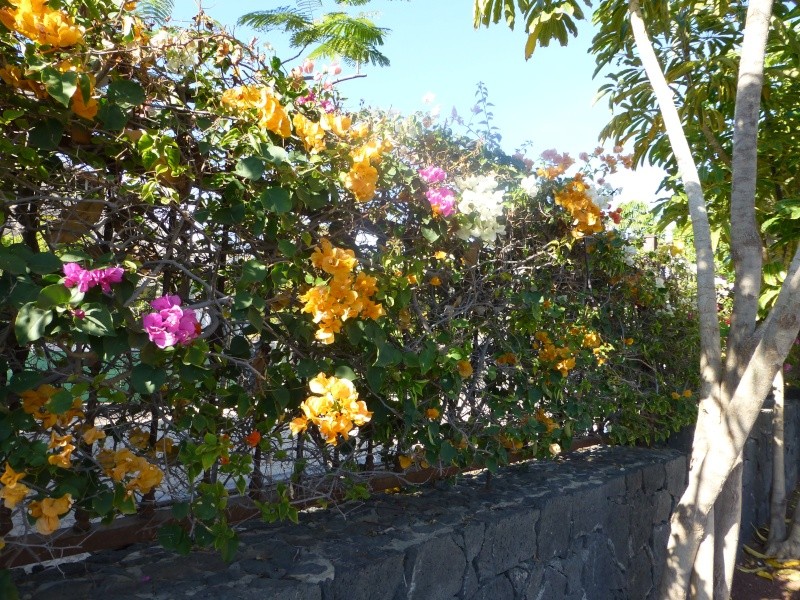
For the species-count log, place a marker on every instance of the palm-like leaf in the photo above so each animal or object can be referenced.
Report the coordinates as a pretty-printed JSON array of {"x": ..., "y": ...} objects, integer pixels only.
[
  {"x": 334, "y": 35},
  {"x": 157, "y": 11}
]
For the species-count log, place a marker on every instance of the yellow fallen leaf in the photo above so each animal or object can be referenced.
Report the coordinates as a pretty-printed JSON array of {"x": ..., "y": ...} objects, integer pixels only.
[
  {"x": 755, "y": 553},
  {"x": 788, "y": 574},
  {"x": 765, "y": 575},
  {"x": 745, "y": 570}
]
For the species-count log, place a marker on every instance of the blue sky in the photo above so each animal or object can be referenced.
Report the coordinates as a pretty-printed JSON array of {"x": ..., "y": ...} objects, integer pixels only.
[{"x": 434, "y": 49}]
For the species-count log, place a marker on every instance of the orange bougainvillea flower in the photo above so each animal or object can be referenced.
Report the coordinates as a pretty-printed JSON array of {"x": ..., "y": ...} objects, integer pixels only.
[
  {"x": 271, "y": 114},
  {"x": 47, "y": 511},
  {"x": 509, "y": 358},
  {"x": 432, "y": 413},
  {"x": 435, "y": 281},
  {"x": 87, "y": 110},
  {"x": 13, "y": 491},
  {"x": 464, "y": 368},
  {"x": 40, "y": 23},
  {"x": 335, "y": 410},
  {"x": 253, "y": 438}
]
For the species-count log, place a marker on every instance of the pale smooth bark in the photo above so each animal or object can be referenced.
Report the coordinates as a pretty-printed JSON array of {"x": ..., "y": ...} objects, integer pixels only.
[
  {"x": 731, "y": 398},
  {"x": 776, "y": 337},
  {"x": 777, "y": 500}
]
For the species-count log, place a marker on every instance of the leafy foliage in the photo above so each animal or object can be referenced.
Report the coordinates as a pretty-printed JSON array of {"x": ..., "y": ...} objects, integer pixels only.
[{"x": 215, "y": 282}]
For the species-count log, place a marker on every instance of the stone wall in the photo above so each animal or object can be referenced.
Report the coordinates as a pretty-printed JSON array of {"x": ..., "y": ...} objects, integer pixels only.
[
  {"x": 757, "y": 473},
  {"x": 590, "y": 526}
]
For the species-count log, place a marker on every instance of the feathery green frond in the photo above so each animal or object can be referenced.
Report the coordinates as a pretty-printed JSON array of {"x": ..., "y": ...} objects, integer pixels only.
[{"x": 157, "y": 11}]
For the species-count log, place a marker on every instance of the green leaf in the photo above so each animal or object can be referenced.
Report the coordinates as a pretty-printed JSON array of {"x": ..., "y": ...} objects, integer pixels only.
[
  {"x": 429, "y": 234},
  {"x": 375, "y": 377},
  {"x": 227, "y": 543},
  {"x": 345, "y": 372},
  {"x": 44, "y": 263},
  {"x": 61, "y": 86},
  {"x": 112, "y": 116},
  {"x": 60, "y": 402},
  {"x": 11, "y": 262},
  {"x": 447, "y": 453},
  {"x": 276, "y": 199},
  {"x": 25, "y": 380},
  {"x": 46, "y": 135},
  {"x": 103, "y": 503},
  {"x": 146, "y": 379},
  {"x": 53, "y": 295},
  {"x": 251, "y": 167},
  {"x": 253, "y": 271},
  {"x": 180, "y": 510},
  {"x": 287, "y": 248},
  {"x": 388, "y": 355},
  {"x": 173, "y": 537},
  {"x": 96, "y": 321},
  {"x": 31, "y": 323},
  {"x": 7, "y": 588},
  {"x": 276, "y": 155},
  {"x": 126, "y": 93}
]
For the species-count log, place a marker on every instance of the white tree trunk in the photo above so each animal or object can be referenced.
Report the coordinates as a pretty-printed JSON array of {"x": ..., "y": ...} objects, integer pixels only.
[
  {"x": 777, "y": 506},
  {"x": 726, "y": 532}
]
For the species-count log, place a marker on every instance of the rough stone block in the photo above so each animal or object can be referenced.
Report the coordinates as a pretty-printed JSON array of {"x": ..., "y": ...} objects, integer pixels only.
[
  {"x": 546, "y": 583},
  {"x": 509, "y": 539},
  {"x": 495, "y": 589},
  {"x": 374, "y": 578},
  {"x": 435, "y": 570},
  {"x": 653, "y": 478},
  {"x": 554, "y": 527},
  {"x": 676, "y": 472}
]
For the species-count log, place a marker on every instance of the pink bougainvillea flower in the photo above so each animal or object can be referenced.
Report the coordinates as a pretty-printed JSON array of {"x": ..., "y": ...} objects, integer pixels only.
[
  {"x": 105, "y": 277},
  {"x": 170, "y": 324},
  {"x": 443, "y": 201},
  {"x": 432, "y": 175},
  {"x": 76, "y": 275}
]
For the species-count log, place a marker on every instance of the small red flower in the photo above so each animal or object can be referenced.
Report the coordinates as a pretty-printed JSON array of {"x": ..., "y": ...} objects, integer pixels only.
[
  {"x": 253, "y": 439},
  {"x": 224, "y": 460}
]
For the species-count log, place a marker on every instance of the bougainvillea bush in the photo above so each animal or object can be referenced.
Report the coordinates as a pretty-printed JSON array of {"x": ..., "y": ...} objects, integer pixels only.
[{"x": 216, "y": 281}]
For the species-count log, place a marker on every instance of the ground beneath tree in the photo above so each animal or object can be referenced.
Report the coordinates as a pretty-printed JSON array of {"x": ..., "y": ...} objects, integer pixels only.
[
  {"x": 749, "y": 586},
  {"x": 760, "y": 578}
]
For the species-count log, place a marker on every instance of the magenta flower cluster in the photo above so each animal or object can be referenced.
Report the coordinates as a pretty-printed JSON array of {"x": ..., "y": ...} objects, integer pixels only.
[
  {"x": 431, "y": 175},
  {"x": 442, "y": 199},
  {"x": 76, "y": 275},
  {"x": 170, "y": 324}
]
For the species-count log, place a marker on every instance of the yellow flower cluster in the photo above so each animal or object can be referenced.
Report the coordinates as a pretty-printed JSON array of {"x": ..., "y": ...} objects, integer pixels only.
[
  {"x": 40, "y": 23},
  {"x": 562, "y": 359},
  {"x": 13, "y": 77},
  {"x": 335, "y": 409},
  {"x": 64, "y": 446},
  {"x": 13, "y": 491},
  {"x": 313, "y": 134},
  {"x": 34, "y": 401},
  {"x": 124, "y": 463},
  {"x": 362, "y": 177},
  {"x": 545, "y": 420},
  {"x": 335, "y": 123},
  {"x": 310, "y": 133},
  {"x": 270, "y": 112},
  {"x": 673, "y": 395},
  {"x": 464, "y": 368},
  {"x": 587, "y": 217},
  {"x": 344, "y": 297},
  {"x": 47, "y": 511}
]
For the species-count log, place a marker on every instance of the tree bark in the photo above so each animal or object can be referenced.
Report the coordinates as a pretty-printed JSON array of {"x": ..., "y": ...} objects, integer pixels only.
[{"x": 777, "y": 505}]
